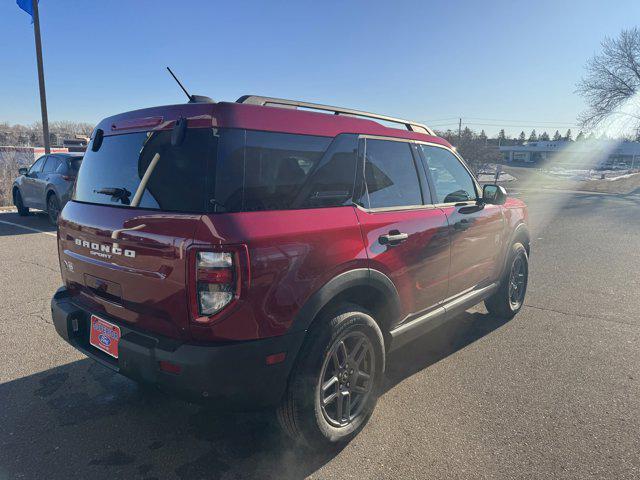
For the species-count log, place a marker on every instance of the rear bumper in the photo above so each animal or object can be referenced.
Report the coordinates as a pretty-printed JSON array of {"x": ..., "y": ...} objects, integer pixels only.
[{"x": 233, "y": 374}]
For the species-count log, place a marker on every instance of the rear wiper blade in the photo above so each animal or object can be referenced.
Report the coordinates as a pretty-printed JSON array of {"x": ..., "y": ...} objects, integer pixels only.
[{"x": 121, "y": 194}]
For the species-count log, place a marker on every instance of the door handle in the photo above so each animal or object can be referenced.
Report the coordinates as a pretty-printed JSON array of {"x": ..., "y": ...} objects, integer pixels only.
[{"x": 393, "y": 238}]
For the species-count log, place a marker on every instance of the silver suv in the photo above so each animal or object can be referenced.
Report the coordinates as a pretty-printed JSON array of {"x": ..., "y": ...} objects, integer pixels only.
[{"x": 47, "y": 184}]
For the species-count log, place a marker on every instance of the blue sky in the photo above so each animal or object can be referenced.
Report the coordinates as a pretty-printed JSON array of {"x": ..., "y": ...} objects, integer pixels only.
[{"x": 427, "y": 60}]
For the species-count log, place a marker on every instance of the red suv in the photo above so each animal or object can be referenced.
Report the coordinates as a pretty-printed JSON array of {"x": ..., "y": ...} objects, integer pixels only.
[{"x": 270, "y": 252}]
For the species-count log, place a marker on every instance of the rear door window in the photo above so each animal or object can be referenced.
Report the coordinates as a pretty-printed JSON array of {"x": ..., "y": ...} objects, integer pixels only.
[
  {"x": 62, "y": 167},
  {"x": 390, "y": 175},
  {"x": 50, "y": 165},
  {"x": 113, "y": 174}
]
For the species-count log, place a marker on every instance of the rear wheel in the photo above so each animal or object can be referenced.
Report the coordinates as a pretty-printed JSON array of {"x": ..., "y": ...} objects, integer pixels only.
[
  {"x": 336, "y": 381},
  {"x": 507, "y": 301},
  {"x": 53, "y": 208},
  {"x": 17, "y": 201}
]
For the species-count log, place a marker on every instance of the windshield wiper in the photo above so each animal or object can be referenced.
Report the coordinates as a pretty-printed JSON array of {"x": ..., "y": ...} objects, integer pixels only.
[{"x": 117, "y": 194}]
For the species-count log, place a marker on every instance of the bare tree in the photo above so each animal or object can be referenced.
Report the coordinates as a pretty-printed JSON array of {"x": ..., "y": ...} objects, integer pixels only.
[{"x": 612, "y": 78}]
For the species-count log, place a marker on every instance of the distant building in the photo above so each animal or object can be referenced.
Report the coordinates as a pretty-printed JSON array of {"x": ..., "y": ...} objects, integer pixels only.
[
  {"x": 77, "y": 144},
  {"x": 24, "y": 155},
  {"x": 595, "y": 153}
]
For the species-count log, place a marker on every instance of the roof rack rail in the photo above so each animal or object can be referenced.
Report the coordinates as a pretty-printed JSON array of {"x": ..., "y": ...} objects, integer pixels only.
[{"x": 270, "y": 101}]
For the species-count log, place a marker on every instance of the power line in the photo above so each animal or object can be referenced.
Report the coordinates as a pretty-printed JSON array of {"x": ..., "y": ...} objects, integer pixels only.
[
  {"x": 521, "y": 126},
  {"x": 504, "y": 123},
  {"x": 519, "y": 121}
]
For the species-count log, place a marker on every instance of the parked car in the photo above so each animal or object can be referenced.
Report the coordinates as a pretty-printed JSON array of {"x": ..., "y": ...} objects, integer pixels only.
[
  {"x": 47, "y": 184},
  {"x": 259, "y": 253}
]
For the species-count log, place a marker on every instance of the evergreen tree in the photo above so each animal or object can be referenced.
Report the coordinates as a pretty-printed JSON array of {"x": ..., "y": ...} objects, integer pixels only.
[
  {"x": 567, "y": 137},
  {"x": 557, "y": 137},
  {"x": 522, "y": 138},
  {"x": 502, "y": 136},
  {"x": 544, "y": 137},
  {"x": 483, "y": 136},
  {"x": 580, "y": 136},
  {"x": 534, "y": 136}
]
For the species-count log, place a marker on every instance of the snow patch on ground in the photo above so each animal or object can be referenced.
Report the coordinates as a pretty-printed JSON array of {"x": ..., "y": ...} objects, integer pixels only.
[
  {"x": 490, "y": 177},
  {"x": 586, "y": 175}
]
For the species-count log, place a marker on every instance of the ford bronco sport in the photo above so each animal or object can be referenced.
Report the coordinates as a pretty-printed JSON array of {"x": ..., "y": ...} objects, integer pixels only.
[{"x": 271, "y": 253}]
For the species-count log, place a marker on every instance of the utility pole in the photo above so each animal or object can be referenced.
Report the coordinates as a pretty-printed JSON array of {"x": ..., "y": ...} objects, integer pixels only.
[
  {"x": 43, "y": 95},
  {"x": 499, "y": 164},
  {"x": 459, "y": 132}
]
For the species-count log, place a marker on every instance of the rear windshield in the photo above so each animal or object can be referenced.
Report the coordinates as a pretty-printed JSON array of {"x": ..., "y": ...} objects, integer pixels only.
[
  {"x": 176, "y": 181},
  {"x": 220, "y": 170}
]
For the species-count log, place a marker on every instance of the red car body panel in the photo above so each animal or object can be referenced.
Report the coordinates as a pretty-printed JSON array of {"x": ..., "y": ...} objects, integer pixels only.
[
  {"x": 291, "y": 253},
  {"x": 476, "y": 247},
  {"x": 419, "y": 267},
  {"x": 147, "y": 291}
]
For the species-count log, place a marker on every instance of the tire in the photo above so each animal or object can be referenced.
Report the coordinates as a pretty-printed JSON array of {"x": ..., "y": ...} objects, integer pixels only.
[
  {"x": 53, "y": 208},
  {"x": 507, "y": 301},
  {"x": 17, "y": 201},
  {"x": 302, "y": 414}
]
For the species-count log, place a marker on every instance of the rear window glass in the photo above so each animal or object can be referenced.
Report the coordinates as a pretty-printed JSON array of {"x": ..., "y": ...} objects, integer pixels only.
[{"x": 113, "y": 174}]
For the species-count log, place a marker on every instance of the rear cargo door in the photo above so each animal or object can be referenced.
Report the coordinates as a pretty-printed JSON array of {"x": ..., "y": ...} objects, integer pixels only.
[{"x": 123, "y": 238}]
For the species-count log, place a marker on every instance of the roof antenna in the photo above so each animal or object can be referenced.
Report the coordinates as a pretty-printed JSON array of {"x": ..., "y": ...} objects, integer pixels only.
[{"x": 192, "y": 98}]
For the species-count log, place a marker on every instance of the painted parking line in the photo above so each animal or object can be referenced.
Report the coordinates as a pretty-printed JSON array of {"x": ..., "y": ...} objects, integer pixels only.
[{"x": 52, "y": 234}]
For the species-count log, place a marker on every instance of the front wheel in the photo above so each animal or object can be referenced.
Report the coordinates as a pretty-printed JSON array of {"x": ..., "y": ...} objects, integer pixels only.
[
  {"x": 17, "y": 201},
  {"x": 335, "y": 383},
  {"x": 507, "y": 301}
]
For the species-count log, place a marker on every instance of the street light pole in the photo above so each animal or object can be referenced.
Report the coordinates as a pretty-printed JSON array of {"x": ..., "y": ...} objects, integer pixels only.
[{"x": 43, "y": 95}]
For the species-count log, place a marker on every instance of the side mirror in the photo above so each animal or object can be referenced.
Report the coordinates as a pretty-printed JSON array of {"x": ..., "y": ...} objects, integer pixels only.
[
  {"x": 494, "y": 194},
  {"x": 23, "y": 170}
]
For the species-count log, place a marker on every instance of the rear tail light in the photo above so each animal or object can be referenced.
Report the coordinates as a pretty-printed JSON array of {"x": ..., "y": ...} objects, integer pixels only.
[
  {"x": 69, "y": 178},
  {"x": 215, "y": 279},
  {"x": 218, "y": 277}
]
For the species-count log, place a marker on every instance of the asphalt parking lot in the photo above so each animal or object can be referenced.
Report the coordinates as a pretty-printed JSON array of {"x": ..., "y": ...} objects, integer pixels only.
[{"x": 554, "y": 393}]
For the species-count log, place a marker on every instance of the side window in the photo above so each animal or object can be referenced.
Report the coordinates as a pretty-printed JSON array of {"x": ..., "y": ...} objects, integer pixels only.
[
  {"x": 390, "y": 175},
  {"x": 277, "y": 165},
  {"x": 50, "y": 166},
  {"x": 452, "y": 181},
  {"x": 62, "y": 166},
  {"x": 280, "y": 171},
  {"x": 330, "y": 181},
  {"x": 37, "y": 166}
]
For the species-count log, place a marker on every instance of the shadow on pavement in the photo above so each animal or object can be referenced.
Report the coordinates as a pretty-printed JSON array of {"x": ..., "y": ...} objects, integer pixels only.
[
  {"x": 81, "y": 420},
  {"x": 36, "y": 220}
]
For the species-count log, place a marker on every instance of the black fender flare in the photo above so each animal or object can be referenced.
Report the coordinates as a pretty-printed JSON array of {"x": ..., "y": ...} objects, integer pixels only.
[
  {"x": 49, "y": 191},
  {"x": 360, "y": 277},
  {"x": 521, "y": 231}
]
